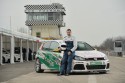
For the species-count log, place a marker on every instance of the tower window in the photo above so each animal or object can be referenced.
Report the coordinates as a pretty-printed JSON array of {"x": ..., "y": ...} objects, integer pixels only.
[
  {"x": 38, "y": 34},
  {"x": 50, "y": 16}
]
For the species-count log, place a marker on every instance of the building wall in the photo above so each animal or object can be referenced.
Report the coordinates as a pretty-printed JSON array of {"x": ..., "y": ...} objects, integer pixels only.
[
  {"x": 47, "y": 31},
  {"x": 6, "y": 42}
]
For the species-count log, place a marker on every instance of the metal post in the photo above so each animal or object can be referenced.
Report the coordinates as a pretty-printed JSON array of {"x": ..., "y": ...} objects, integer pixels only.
[
  {"x": 36, "y": 46},
  {"x": 27, "y": 51},
  {"x": 32, "y": 49},
  {"x": 21, "y": 55},
  {"x": 12, "y": 50},
  {"x": 1, "y": 49}
]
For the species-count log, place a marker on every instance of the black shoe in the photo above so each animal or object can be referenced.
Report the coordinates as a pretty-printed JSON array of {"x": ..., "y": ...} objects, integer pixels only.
[
  {"x": 59, "y": 74},
  {"x": 67, "y": 74}
]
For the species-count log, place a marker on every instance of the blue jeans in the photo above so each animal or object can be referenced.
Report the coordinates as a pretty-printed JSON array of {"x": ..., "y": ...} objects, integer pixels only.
[{"x": 66, "y": 64}]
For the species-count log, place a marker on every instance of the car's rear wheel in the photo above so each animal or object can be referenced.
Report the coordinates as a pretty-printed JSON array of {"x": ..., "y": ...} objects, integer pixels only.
[{"x": 38, "y": 66}]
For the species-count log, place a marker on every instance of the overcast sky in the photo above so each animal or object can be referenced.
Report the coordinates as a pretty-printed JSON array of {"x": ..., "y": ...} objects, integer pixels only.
[{"x": 90, "y": 20}]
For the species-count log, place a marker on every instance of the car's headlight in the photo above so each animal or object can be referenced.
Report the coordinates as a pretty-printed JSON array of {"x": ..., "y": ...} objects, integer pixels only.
[{"x": 79, "y": 58}]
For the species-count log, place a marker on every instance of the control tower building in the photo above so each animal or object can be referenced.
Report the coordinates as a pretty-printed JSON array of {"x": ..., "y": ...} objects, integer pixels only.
[{"x": 45, "y": 21}]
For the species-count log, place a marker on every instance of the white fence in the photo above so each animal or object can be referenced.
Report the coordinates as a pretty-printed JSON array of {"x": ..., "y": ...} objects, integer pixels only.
[{"x": 113, "y": 53}]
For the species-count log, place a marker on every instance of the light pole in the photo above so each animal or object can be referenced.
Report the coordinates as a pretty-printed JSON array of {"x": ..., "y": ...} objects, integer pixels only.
[{"x": 12, "y": 44}]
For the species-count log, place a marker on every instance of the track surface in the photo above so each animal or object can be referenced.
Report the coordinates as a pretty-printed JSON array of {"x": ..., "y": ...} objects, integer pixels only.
[{"x": 24, "y": 73}]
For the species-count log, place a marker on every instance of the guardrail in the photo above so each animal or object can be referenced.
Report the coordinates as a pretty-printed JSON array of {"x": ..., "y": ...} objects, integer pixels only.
[{"x": 113, "y": 53}]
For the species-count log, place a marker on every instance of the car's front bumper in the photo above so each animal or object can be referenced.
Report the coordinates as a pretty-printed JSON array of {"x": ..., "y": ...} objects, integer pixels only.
[{"x": 85, "y": 66}]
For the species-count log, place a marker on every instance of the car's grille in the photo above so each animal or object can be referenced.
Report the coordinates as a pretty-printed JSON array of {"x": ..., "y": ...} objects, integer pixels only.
[
  {"x": 79, "y": 67},
  {"x": 92, "y": 59},
  {"x": 89, "y": 67}
]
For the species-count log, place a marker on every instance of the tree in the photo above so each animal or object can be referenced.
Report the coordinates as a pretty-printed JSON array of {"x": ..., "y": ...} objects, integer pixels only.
[{"x": 108, "y": 44}]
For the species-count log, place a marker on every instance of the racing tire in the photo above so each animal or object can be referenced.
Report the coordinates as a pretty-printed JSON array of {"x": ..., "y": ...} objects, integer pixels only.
[
  {"x": 3, "y": 59},
  {"x": 14, "y": 59},
  {"x": 8, "y": 61},
  {"x": 38, "y": 66}
]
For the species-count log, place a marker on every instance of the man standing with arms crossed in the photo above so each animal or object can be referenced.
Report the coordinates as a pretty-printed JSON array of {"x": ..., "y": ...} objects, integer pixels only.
[{"x": 69, "y": 53}]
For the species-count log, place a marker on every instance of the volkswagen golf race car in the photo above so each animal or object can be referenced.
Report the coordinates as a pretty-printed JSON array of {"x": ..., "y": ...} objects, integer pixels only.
[
  {"x": 86, "y": 59},
  {"x": 6, "y": 56}
]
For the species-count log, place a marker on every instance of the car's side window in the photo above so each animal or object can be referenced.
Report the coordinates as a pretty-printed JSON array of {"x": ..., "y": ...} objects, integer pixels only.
[
  {"x": 46, "y": 46},
  {"x": 54, "y": 46}
]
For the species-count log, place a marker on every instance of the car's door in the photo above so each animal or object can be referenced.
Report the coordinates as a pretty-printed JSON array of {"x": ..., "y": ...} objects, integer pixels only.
[
  {"x": 51, "y": 55},
  {"x": 45, "y": 53},
  {"x": 55, "y": 55}
]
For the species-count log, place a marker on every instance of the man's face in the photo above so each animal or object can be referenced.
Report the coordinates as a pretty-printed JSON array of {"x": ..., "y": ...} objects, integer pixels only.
[{"x": 68, "y": 33}]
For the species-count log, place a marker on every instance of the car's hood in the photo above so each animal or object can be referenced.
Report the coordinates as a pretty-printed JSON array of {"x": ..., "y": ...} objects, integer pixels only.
[{"x": 89, "y": 54}]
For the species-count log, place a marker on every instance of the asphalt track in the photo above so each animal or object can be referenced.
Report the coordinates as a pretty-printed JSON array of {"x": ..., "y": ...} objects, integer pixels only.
[{"x": 24, "y": 73}]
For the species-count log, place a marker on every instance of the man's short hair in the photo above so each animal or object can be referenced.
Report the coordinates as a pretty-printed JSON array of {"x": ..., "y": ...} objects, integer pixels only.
[{"x": 68, "y": 29}]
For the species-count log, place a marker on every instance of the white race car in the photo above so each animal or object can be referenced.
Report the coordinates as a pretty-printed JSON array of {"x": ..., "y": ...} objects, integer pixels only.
[
  {"x": 86, "y": 58},
  {"x": 6, "y": 56}
]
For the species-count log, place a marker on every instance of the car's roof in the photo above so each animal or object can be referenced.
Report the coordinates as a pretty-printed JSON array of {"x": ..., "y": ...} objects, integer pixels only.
[
  {"x": 59, "y": 41},
  {"x": 52, "y": 40}
]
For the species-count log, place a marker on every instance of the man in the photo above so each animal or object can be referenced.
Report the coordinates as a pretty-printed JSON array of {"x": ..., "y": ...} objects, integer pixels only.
[{"x": 69, "y": 53}]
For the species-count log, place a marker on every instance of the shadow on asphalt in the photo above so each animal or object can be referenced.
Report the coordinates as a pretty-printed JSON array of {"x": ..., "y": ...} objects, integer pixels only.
[{"x": 74, "y": 73}]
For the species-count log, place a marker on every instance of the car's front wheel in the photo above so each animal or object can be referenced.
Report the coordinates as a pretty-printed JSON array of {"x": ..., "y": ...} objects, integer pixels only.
[
  {"x": 38, "y": 66},
  {"x": 14, "y": 59},
  {"x": 3, "y": 59}
]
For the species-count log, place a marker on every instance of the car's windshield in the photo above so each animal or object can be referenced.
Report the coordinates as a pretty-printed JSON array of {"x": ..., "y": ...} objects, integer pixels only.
[{"x": 83, "y": 46}]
